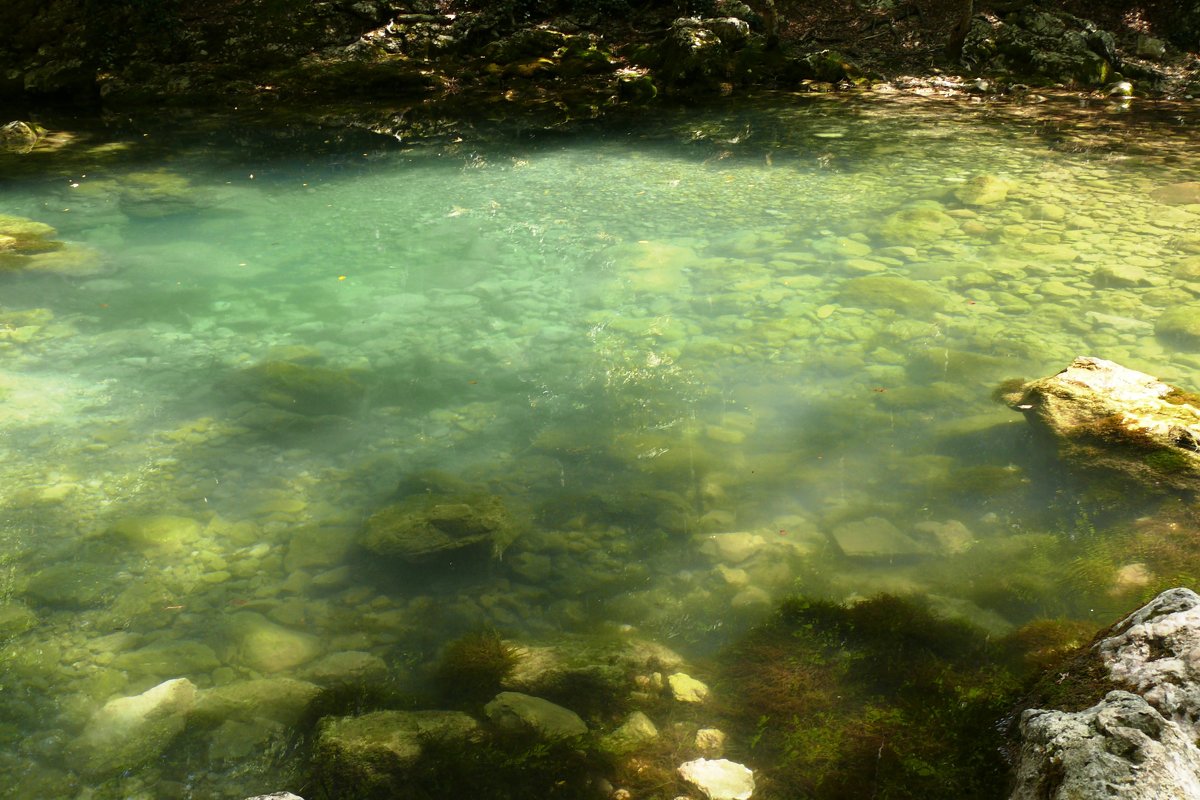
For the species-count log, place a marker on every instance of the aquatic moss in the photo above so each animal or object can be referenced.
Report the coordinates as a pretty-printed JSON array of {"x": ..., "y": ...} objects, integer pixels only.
[
  {"x": 1169, "y": 461},
  {"x": 878, "y": 699},
  {"x": 473, "y": 667}
]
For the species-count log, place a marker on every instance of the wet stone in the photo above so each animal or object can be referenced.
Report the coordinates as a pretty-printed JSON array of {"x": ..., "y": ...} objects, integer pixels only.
[
  {"x": 874, "y": 537},
  {"x": 520, "y": 713}
]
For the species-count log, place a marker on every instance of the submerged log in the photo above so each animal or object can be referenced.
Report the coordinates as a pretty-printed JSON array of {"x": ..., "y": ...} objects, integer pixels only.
[{"x": 1105, "y": 416}]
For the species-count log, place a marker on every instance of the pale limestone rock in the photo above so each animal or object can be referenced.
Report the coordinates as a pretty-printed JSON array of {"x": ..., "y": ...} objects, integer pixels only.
[
  {"x": 1128, "y": 746},
  {"x": 1119, "y": 748},
  {"x": 130, "y": 731},
  {"x": 518, "y": 712},
  {"x": 687, "y": 689},
  {"x": 719, "y": 779},
  {"x": 1104, "y": 415},
  {"x": 1156, "y": 650}
]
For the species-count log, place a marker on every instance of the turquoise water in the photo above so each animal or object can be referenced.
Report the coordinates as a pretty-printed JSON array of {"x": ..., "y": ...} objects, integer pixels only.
[{"x": 700, "y": 363}]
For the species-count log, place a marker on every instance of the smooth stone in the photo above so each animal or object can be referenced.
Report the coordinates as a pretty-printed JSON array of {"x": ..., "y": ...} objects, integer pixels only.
[
  {"x": 257, "y": 643},
  {"x": 157, "y": 531},
  {"x": 916, "y": 225},
  {"x": 517, "y": 712},
  {"x": 1120, "y": 275},
  {"x": 1180, "y": 326},
  {"x": 1177, "y": 194},
  {"x": 349, "y": 667},
  {"x": 276, "y": 796},
  {"x": 283, "y": 700},
  {"x": 874, "y": 537},
  {"x": 374, "y": 750},
  {"x": 719, "y": 779},
  {"x": 168, "y": 657}
]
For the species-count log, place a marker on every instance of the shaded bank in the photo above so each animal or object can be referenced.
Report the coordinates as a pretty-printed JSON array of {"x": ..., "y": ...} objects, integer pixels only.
[{"x": 581, "y": 56}]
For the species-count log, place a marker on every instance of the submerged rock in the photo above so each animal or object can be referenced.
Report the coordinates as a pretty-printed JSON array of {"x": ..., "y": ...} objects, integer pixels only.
[
  {"x": 1106, "y": 416},
  {"x": 130, "y": 731},
  {"x": 983, "y": 190},
  {"x": 1177, "y": 194},
  {"x": 719, "y": 779},
  {"x": 372, "y": 752},
  {"x": 301, "y": 388},
  {"x": 1137, "y": 744},
  {"x": 423, "y": 526},
  {"x": 254, "y": 641},
  {"x": 523, "y": 713},
  {"x": 916, "y": 225}
]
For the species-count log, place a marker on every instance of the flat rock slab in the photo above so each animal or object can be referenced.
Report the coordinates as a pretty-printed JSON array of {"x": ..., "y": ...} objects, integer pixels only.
[
  {"x": 874, "y": 537},
  {"x": 1106, "y": 416}
]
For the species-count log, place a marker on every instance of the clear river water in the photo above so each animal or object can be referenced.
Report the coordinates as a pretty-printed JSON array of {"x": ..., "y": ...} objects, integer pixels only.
[{"x": 662, "y": 374}]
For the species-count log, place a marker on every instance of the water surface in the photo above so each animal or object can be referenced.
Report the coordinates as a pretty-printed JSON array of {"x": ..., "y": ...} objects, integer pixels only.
[{"x": 705, "y": 361}]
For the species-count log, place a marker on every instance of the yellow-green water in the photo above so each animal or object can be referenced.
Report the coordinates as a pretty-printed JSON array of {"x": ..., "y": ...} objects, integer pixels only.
[{"x": 705, "y": 362}]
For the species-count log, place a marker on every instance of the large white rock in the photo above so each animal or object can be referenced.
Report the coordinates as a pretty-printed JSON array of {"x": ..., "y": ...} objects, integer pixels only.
[
  {"x": 1128, "y": 746},
  {"x": 719, "y": 779},
  {"x": 1119, "y": 748},
  {"x": 1156, "y": 652},
  {"x": 1103, "y": 415},
  {"x": 130, "y": 731}
]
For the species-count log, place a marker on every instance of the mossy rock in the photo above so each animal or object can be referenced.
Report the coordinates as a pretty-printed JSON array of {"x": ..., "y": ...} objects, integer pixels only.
[
  {"x": 374, "y": 752},
  {"x": 425, "y": 526},
  {"x": 636, "y": 88},
  {"x": 306, "y": 389},
  {"x": 1180, "y": 326},
  {"x": 156, "y": 193},
  {"x": 21, "y": 239},
  {"x": 983, "y": 190},
  {"x": 916, "y": 225},
  {"x": 891, "y": 291}
]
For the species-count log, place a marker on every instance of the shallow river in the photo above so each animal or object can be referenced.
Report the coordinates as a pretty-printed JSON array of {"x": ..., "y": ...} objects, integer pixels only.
[{"x": 662, "y": 376}]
